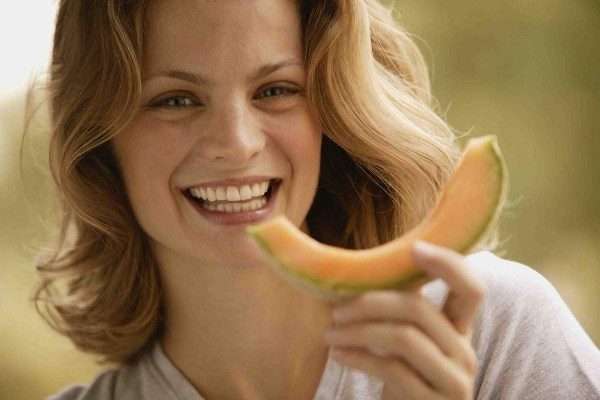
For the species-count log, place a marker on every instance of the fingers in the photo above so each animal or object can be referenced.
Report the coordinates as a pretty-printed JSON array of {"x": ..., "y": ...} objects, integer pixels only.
[
  {"x": 401, "y": 307},
  {"x": 400, "y": 381},
  {"x": 403, "y": 338},
  {"x": 408, "y": 343},
  {"x": 466, "y": 288}
]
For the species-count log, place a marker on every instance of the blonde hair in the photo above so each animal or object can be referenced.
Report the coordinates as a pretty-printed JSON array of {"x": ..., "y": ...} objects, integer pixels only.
[{"x": 386, "y": 156}]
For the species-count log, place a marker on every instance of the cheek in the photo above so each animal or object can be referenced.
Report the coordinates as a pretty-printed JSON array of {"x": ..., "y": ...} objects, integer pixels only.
[
  {"x": 301, "y": 138},
  {"x": 147, "y": 160}
]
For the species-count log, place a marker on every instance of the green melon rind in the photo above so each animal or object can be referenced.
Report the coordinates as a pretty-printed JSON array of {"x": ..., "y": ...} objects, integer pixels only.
[
  {"x": 494, "y": 215},
  {"x": 339, "y": 291}
]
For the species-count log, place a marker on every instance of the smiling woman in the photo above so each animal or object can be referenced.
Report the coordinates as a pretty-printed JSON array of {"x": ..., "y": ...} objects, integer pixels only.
[{"x": 175, "y": 124}]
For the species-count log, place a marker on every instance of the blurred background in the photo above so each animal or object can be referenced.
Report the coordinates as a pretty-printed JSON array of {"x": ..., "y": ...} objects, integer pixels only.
[{"x": 526, "y": 71}]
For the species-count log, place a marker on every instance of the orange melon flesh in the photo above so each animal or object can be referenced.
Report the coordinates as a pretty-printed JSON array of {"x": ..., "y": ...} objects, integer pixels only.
[{"x": 467, "y": 207}]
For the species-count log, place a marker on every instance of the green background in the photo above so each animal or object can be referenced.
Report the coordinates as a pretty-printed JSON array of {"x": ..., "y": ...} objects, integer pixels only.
[{"x": 526, "y": 71}]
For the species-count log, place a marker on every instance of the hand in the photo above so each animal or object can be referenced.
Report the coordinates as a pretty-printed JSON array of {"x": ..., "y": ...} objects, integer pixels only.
[{"x": 403, "y": 339}]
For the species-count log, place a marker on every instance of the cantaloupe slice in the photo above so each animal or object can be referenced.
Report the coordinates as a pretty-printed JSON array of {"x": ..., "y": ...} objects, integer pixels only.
[{"x": 464, "y": 212}]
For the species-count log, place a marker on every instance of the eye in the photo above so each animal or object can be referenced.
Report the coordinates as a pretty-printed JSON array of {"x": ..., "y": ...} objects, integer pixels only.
[
  {"x": 280, "y": 91},
  {"x": 181, "y": 101},
  {"x": 178, "y": 101}
]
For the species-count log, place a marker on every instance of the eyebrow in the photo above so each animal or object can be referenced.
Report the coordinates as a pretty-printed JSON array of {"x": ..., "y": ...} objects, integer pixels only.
[{"x": 201, "y": 79}]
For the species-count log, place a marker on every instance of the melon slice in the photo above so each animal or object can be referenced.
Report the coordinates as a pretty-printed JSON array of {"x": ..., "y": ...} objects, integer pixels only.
[{"x": 462, "y": 216}]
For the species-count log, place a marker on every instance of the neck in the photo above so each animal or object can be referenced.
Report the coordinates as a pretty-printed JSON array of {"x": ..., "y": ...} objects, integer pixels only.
[{"x": 246, "y": 335}]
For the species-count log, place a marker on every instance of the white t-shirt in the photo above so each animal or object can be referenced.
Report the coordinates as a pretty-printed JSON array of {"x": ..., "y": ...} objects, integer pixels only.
[{"x": 529, "y": 346}]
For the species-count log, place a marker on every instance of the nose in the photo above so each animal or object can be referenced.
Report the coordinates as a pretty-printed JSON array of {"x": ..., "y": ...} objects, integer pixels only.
[{"x": 230, "y": 135}]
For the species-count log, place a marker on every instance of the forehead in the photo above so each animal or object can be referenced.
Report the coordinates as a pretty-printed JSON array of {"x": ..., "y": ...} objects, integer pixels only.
[{"x": 221, "y": 34}]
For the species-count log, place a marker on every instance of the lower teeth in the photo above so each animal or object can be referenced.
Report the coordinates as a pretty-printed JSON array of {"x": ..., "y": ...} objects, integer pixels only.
[{"x": 236, "y": 207}]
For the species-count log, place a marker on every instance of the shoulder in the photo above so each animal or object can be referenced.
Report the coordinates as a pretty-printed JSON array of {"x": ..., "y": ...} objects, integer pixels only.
[
  {"x": 517, "y": 298},
  {"x": 139, "y": 379},
  {"x": 527, "y": 340},
  {"x": 102, "y": 387},
  {"x": 507, "y": 284},
  {"x": 510, "y": 282}
]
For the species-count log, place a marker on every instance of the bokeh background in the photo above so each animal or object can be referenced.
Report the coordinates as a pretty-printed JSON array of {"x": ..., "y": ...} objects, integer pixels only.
[{"x": 526, "y": 71}]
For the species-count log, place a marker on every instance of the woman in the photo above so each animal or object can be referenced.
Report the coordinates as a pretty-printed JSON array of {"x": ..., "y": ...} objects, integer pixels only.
[{"x": 176, "y": 124}]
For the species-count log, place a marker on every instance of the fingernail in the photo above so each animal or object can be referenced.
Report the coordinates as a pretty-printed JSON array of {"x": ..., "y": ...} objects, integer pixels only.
[{"x": 423, "y": 250}]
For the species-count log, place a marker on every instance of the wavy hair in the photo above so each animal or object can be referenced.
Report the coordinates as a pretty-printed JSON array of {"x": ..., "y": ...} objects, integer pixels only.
[{"x": 386, "y": 156}]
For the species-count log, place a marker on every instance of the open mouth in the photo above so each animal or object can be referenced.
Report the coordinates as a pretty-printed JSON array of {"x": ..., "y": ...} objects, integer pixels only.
[{"x": 212, "y": 205}]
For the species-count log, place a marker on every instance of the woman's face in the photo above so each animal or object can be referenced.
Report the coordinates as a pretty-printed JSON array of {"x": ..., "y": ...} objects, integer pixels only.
[{"x": 211, "y": 111}]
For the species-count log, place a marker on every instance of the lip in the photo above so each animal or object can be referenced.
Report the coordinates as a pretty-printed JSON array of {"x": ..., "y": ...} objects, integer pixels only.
[
  {"x": 233, "y": 181},
  {"x": 243, "y": 217}
]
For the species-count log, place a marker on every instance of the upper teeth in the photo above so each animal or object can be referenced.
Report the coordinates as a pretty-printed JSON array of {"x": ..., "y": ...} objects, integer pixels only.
[{"x": 230, "y": 193}]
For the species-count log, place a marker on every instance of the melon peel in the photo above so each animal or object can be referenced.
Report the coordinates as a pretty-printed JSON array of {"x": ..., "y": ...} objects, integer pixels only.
[{"x": 463, "y": 215}]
